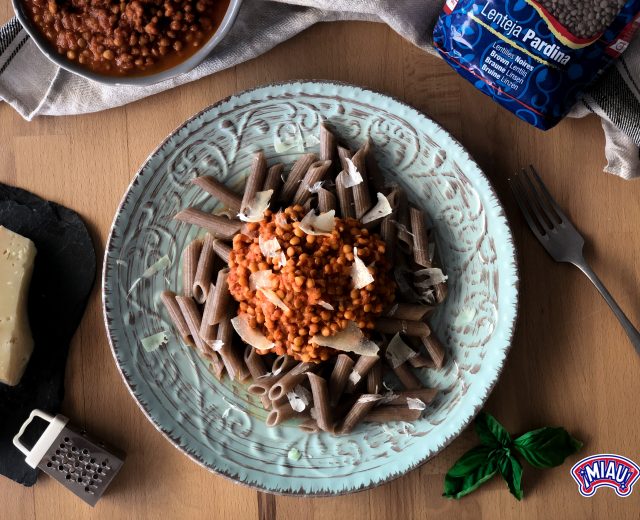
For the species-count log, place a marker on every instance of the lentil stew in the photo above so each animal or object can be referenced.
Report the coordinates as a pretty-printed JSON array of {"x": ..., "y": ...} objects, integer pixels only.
[{"x": 128, "y": 37}]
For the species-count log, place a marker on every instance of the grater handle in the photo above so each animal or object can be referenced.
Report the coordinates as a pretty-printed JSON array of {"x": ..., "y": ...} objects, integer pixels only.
[{"x": 56, "y": 424}]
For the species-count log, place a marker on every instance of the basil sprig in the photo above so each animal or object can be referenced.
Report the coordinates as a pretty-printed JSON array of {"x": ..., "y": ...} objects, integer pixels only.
[{"x": 542, "y": 448}]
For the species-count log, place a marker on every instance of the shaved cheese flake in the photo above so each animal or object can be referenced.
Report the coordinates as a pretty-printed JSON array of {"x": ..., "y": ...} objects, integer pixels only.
[
  {"x": 369, "y": 398},
  {"x": 299, "y": 398},
  {"x": 354, "y": 377},
  {"x": 295, "y": 142},
  {"x": 402, "y": 228},
  {"x": 434, "y": 276},
  {"x": 325, "y": 305},
  {"x": 250, "y": 335},
  {"x": 280, "y": 219},
  {"x": 155, "y": 341},
  {"x": 261, "y": 280},
  {"x": 225, "y": 213},
  {"x": 465, "y": 316},
  {"x": 388, "y": 397},
  {"x": 353, "y": 177},
  {"x": 398, "y": 352},
  {"x": 274, "y": 298},
  {"x": 154, "y": 268},
  {"x": 269, "y": 248},
  {"x": 316, "y": 187},
  {"x": 350, "y": 339},
  {"x": 313, "y": 412},
  {"x": 294, "y": 454},
  {"x": 282, "y": 261},
  {"x": 216, "y": 345},
  {"x": 381, "y": 209},
  {"x": 322, "y": 224},
  {"x": 415, "y": 404},
  {"x": 311, "y": 140},
  {"x": 360, "y": 275},
  {"x": 254, "y": 212}
]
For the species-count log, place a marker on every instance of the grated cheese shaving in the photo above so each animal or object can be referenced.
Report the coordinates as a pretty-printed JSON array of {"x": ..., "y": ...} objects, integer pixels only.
[
  {"x": 280, "y": 219},
  {"x": 381, "y": 209},
  {"x": 322, "y": 224},
  {"x": 434, "y": 276},
  {"x": 398, "y": 351},
  {"x": 254, "y": 212},
  {"x": 154, "y": 268},
  {"x": 270, "y": 295},
  {"x": 296, "y": 143},
  {"x": 325, "y": 305},
  {"x": 360, "y": 275},
  {"x": 155, "y": 341},
  {"x": 415, "y": 404},
  {"x": 261, "y": 280},
  {"x": 354, "y": 377},
  {"x": 299, "y": 398},
  {"x": 216, "y": 345},
  {"x": 269, "y": 248},
  {"x": 250, "y": 335},
  {"x": 316, "y": 187},
  {"x": 353, "y": 177},
  {"x": 350, "y": 339},
  {"x": 294, "y": 454}
]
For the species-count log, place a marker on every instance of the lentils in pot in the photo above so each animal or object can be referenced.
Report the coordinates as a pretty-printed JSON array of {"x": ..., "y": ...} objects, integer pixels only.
[
  {"x": 127, "y": 37},
  {"x": 317, "y": 270},
  {"x": 584, "y": 18}
]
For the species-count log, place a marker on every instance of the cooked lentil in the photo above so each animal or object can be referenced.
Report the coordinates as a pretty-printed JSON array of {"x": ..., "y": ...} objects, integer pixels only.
[
  {"x": 584, "y": 18},
  {"x": 127, "y": 37},
  {"x": 318, "y": 268}
]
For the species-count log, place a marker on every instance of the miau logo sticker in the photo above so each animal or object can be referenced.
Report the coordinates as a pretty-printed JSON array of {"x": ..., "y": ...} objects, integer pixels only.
[{"x": 605, "y": 470}]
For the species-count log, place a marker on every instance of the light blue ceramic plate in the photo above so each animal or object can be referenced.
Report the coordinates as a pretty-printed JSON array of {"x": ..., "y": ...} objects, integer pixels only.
[{"x": 218, "y": 424}]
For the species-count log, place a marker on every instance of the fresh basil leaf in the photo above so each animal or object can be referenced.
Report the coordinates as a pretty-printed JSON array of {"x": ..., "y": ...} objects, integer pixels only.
[
  {"x": 491, "y": 432},
  {"x": 470, "y": 471},
  {"x": 546, "y": 447},
  {"x": 511, "y": 471}
]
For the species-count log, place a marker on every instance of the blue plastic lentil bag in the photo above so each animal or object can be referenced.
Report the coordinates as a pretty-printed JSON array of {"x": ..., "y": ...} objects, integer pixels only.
[{"x": 534, "y": 57}]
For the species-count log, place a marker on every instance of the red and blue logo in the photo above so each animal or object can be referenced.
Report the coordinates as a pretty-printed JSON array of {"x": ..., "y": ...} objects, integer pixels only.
[{"x": 605, "y": 470}]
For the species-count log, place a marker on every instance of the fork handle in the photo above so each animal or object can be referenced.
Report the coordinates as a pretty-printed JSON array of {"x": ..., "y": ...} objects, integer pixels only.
[{"x": 632, "y": 332}]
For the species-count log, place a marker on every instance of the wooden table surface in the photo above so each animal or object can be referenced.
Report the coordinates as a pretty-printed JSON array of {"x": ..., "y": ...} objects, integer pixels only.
[{"x": 570, "y": 364}]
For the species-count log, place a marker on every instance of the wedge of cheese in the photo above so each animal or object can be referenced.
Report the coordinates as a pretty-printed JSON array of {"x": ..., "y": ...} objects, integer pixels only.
[{"x": 17, "y": 254}]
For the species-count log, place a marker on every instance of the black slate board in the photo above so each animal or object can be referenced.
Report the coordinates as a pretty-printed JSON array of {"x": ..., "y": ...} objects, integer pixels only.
[{"x": 64, "y": 273}]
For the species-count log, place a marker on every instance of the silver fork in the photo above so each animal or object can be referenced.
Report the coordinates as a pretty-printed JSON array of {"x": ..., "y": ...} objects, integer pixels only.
[{"x": 559, "y": 237}]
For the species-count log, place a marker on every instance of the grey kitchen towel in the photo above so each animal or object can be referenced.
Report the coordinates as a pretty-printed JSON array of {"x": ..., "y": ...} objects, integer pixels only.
[{"x": 34, "y": 86}]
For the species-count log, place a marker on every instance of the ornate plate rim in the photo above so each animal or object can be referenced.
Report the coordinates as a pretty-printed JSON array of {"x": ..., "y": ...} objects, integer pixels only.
[{"x": 514, "y": 262}]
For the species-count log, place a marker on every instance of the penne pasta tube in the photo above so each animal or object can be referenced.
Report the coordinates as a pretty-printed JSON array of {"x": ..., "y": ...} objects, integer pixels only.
[
  {"x": 389, "y": 233},
  {"x": 426, "y": 395},
  {"x": 327, "y": 144},
  {"x": 361, "y": 196},
  {"x": 405, "y": 240},
  {"x": 220, "y": 298},
  {"x": 263, "y": 384},
  {"x": 320, "y": 392},
  {"x": 231, "y": 357},
  {"x": 434, "y": 348},
  {"x": 190, "y": 257},
  {"x": 409, "y": 311},
  {"x": 295, "y": 176},
  {"x": 219, "y": 191},
  {"x": 420, "y": 361},
  {"x": 374, "y": 379},
  {"x": 309, "y": 426},
  {"x": 202, "y": 279},
  {"x": 222, "y": 249},
  {"x": 357, "y": 413},
  {"x": 315, "y": 173},
  {"x": 420, "y": 240},
  {"x": 407, "y": 377},
  {"x": 310, "y": 203},
  {"x": 343, "y": 155},
  {"x": 345, "y": 197},
  {"x": 177, "y": 318},
  {"x": 383, "y": 414},
  {"x": 289, "y": 381},
  {"x": 208, "y": 329},
  {"x": 408, "y": 327},
  {"x": 359, "y": 372},
  {"x": 220, "y": 227},
  {"x": 339, "y": 377},
  {"x": 283, "y": 413},
  {"x": 326, "y": 200},
  {"x": 254, "y": 363},
  {"x": 376, "y": 179},
  {"x": 273, "y": 180},
  {"x": 255, "y": 180},
  {"x": 193, "y": 319}
]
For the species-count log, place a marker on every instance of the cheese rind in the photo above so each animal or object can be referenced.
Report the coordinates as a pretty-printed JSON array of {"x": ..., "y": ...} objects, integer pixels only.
[{"x": 17, "y": 255}]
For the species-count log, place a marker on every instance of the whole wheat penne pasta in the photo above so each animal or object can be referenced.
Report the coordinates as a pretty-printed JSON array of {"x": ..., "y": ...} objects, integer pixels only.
[
  {"x": 408, "y": 327},
  {"x": 389, "y": 233},
  {"x": 320, "y": 392},
  {"x": 420, "y": 361},
  {"x": 315, "y": 173},
  {"x": 190, "y": 257},
  {"x": 193, "y": 319},
  {"x": 374, "y": 379},
  {"x": 383, "y": 414},
  {"x": 327, "y": 144},
  {"x": 420, "y": 240},
  {"x": 343, "y": 155},
  {"x": 339, "y": 377},
  {"x": 309, "y": 426},
  {"x": 255, "y": 180},
  {"x": 219, "y": 191},
  {"x": 345, "y": 197},
  {"x": 273, "y": 180},
  {"x": 263, "y": 384},
  {"x": 326, "y": 200},
  {"x": 177, "y": 318},
  {"x": 357, "y": 413},
  {"x": 361, "y": 196},
  {"x": 209, "y": 330},
  {"x": 216, "y": 367},
  {"x": 405, "y": 240},
  {"x": 434, "y": 348},
  {"x": 222, "y": 249},
  {"x": 279, "y": 402},
  {"x": 407, "y": 377},
  {"x": 231, "y": 357},
  {"x": 221, "y": 298},
  {"x": 295, "y": 176},
  {"x": 202, "y": 278},
  {"x": 376, "y": 179},
  {"x": 426, "y": 395},
  {"x": 283, "y": 413},
  {"x": 289, "y": 381},
  {"x": 409, "y": 311},
  {"x": 359, "y": 372},
  {"x": 254, "y": 362},
  {"x": 220, "y": 227},
  {"x": 310, "y": 203}
]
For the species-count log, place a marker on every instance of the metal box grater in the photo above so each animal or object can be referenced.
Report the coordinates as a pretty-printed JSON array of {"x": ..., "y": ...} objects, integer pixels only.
[{"x": 82, "y": 464}]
